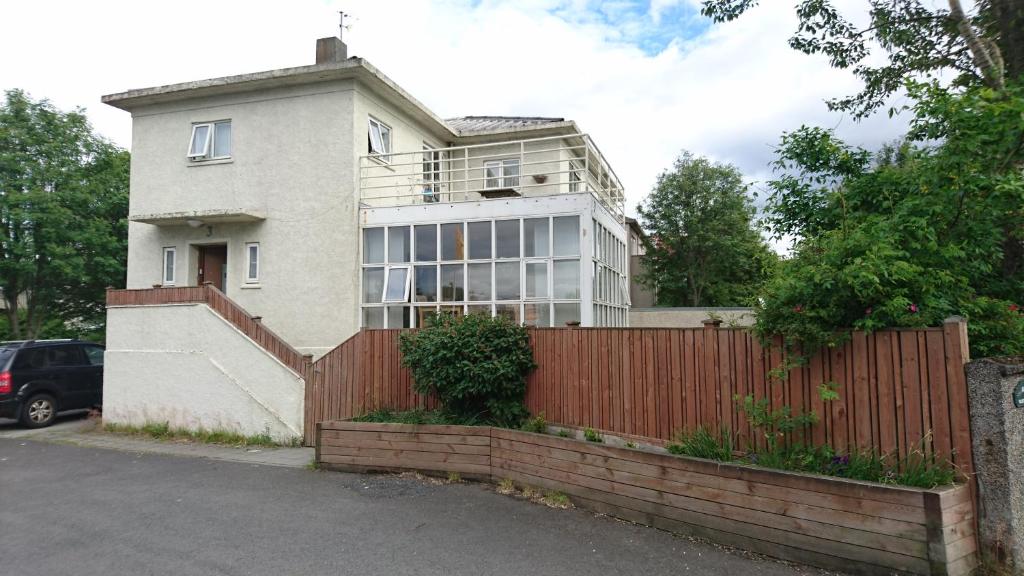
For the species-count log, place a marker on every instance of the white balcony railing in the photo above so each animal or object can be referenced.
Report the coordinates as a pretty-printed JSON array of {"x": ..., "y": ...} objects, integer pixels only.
[{"x": 535, "y": 167}]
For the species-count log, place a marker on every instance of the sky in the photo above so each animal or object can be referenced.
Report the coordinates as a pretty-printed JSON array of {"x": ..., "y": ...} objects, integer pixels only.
[{"x": 645, "y": 78}]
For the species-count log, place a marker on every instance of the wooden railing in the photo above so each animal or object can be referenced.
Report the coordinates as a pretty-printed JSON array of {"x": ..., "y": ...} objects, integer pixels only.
[
  {"x": 207, "y": 294},
  {"x": 899, "y": 390}
]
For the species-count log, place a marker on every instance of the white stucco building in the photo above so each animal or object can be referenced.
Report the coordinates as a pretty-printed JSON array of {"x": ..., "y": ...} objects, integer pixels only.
[{"x": 325, "y": 198}]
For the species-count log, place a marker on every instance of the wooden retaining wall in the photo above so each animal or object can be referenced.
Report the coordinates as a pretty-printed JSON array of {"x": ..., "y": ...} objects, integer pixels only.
[{"x": 833, "y": 523}]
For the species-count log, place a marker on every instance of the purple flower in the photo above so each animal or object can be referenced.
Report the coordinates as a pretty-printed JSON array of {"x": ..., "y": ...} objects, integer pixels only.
[{"x": 912, "y": 308}]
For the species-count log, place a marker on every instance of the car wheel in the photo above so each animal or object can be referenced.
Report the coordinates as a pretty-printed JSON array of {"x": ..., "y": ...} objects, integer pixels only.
[{"x": 38, "y": 411}]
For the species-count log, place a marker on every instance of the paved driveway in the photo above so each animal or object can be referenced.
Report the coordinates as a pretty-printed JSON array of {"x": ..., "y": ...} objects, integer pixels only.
[{"x": 85, "y": 511}]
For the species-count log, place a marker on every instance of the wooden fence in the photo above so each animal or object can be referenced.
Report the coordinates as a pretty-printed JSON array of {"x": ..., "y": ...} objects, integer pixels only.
[{"x": 899, "y": 390}]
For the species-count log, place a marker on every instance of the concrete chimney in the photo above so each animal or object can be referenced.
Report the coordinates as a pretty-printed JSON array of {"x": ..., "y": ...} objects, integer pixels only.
[{"x": 330, "y": 50}]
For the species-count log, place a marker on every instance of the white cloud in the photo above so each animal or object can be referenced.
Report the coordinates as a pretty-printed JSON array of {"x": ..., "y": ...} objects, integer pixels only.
[{"x": 728, "y": 93}]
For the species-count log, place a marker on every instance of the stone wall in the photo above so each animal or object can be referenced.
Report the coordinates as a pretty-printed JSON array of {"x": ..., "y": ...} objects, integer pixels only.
[{"x": 997, "y": 431}]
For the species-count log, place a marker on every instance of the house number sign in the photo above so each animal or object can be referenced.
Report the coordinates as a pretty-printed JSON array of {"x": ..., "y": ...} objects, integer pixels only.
[{"x": 1018, "y": 395}]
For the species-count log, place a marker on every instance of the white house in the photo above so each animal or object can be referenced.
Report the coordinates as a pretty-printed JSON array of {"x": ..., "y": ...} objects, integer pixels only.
[{"x": 324, "y": 199}]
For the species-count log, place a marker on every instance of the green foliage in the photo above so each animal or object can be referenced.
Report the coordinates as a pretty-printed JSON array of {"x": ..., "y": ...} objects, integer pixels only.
[
  {"x": 908, "y": 236},
  {"x": 416, "y": 416},
  {"x": 702, "y": 443},
  {"x": 901, "y": 41},
  {"x": 705, "y": 248},
  {"x": 475, "y": 365},
  {"x": 630, "y": 444},
  {"x": 773, "y": 425},
  {"x": 591, "y": 435},
  {"x": 917, "y": 469},
  {"x": 564, "y": 434},
  {"x": 63, "y": 208},
  {"x": 536, "y": 424}
]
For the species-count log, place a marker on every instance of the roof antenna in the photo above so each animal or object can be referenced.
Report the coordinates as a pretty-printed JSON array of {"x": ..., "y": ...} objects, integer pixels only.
[{"x": 341, "y": 24}]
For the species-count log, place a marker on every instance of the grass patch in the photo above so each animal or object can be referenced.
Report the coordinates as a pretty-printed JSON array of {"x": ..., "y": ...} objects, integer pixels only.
[
  {"x": 454, "y": 477},
  {"x": 163, "y": 431},
  {"x": 591, "y": 435},
  {"x": 916, "y": 469},
  {"x": 564, "y": 434},
  {"x": 536, "y": 424},
  {"x": 506, "y": 486},
  {"x": 556, "y": 500},
  {"x": 417, "y": 416}
]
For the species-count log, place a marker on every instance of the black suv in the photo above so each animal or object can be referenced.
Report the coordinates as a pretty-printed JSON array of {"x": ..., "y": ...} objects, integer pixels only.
[{"x": 40, "y": 377}]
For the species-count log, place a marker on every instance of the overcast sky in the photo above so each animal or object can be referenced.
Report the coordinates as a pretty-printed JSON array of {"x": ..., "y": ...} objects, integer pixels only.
[{"x": 645, "y": 78}]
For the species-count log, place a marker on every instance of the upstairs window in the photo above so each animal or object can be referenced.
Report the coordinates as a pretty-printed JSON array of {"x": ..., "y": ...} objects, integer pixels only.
[
  {"x": 379, "y": 139},
  {"x": 501, "y": 173},
  {"x": 210, "y": 140}
]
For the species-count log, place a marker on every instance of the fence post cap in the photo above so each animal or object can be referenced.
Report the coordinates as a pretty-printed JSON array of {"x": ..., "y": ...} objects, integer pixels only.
[
  {"x": 711, "y": 322},
  {"x": 955, "y": 320}
]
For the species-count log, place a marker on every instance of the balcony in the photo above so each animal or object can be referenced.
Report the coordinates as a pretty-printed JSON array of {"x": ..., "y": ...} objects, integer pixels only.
[{"x": 509, "y": 169}]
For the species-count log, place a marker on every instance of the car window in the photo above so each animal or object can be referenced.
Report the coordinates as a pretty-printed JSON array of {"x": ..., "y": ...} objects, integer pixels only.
[
  {"x": 95, "y": 355},
  {"x": 31, "y": 359},
  {"x": 60, "y": 356},
  {"x": 5, "y": 355}
]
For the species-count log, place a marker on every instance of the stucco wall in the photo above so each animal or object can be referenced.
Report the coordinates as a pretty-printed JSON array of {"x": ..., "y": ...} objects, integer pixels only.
[
  {"x": 292, "y": 161},
  {"x": 688, "y": 317},
  {"x": 185, "y": 365}
]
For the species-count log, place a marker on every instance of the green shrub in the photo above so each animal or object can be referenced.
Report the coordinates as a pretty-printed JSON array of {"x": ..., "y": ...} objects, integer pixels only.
[
  {"x": 536, "y": 424},
  {"x": 591, "y": 435},
  {"x": 414, "y": 416},
  {"x": 475, "y": 365},
  {"x": 564, "y": 433},
  {"x": 702, "y": 443}
]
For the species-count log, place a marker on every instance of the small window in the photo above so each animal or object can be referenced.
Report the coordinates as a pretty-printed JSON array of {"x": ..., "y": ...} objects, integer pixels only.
[
  {"x": 168, "y": 267},
  {"x": 396, "y": 287},
  {"x": 432, "y": 176},
  {"x": 501, "y": 173},
  {"x": 210, "y": 140},
  {"x": 252, "y": 258},
  {"x": 379, "y": 139},
  {"x": 575, "y": 177}
]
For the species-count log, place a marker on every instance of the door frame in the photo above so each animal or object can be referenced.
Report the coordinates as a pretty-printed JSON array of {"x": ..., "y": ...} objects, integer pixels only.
[{"x": 195, "y": 251}]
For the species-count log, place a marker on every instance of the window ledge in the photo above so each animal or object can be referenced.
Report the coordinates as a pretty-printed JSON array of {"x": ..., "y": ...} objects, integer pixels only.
[
  {"x": 251, "y": 286},
  {"x": 211, "y": 162}
]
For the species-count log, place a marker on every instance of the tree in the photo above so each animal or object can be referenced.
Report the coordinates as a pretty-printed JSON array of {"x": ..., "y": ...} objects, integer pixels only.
[
  {"x": 63, "y": 208},
  {"x": 704, "y": 247},
  {"x": 920, "y": 41}
]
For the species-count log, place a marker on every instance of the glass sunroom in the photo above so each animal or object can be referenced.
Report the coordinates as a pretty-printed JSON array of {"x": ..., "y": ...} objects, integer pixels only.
[{"x": 541, "y": 261}]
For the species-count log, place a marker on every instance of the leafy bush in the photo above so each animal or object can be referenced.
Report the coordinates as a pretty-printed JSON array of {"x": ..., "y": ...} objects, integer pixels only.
[
  {"x": 591, "y": 435},
  {"x": 475, "y": 365},
  {"x": 536, "y": 424}
]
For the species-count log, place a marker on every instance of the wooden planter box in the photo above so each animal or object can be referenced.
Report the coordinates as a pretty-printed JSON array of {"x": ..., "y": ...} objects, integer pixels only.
[{"x": 829, "y": 522}]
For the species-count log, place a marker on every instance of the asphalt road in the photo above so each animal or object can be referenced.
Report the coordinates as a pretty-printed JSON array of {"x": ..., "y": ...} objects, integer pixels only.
[{"x": 84, "y": 511}]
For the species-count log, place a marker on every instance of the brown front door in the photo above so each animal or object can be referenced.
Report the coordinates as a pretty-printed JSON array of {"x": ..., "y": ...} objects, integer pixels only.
[{"x": 213, "y": 265}]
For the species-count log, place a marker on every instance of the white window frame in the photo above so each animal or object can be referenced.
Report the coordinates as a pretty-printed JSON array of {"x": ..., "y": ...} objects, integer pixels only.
[
  {"x": 502, "y": 180},
  {"x": 433, "y": 177},
  {"x": 382, "y": 155},
  {"x": 575, "y": 177},
  {"x": 173, "y": 252},
  {"x": 206, "y": 153},
  {"x": 387, "y": 280},
  {"x": 250, "y": 279}
]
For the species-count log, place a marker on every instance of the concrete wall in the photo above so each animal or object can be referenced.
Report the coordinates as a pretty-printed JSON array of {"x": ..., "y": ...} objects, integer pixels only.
[
  {"x": 997, "y": 434},
  {"x": 688, "y": 317},
  {"x": 292, "y": 160},
  {"x": 185, "y": 365}
]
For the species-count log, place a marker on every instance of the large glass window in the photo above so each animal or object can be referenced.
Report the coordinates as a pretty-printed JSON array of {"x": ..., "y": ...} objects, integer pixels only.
[
  {"x": 479, "y": 240},
  {"x": 452, "y": 283},
  {"x": 567, "y": 314},
  {"x": 373, "y": 245},
  {"x": 535, "y": 237},
  {"x": 373, "y": 285},
  {"x": 397, "y": 284},
  {"x": 425, "y": 284},
  {"x": 537, "y": 314},
  {"x": 479, "y": 282},
  {"x": 566, "y": 280},
  {"x": 453, "y": 242},
  {"x": 566, "y": 235},
  {"x": 506, "y": 281},
  {"x": 398, "y": 244},
  {"x": 426, "y": 243},
  {"x": 506, "y": 234},
  {"x": 536, "y": 279}
]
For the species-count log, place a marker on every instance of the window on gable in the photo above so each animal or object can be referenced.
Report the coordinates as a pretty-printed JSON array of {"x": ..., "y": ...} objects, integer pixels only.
[
  {"x": 501, "y": 173},
  {"x": 379, "y": 138},
  {"x": 210, "y": 140}
]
